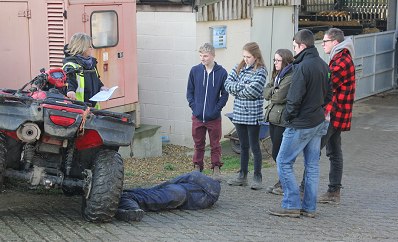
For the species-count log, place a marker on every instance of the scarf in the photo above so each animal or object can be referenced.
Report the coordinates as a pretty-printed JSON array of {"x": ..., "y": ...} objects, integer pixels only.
[
  {"x": 87, "y": 61},
  {"x": 282, "y": 74}
]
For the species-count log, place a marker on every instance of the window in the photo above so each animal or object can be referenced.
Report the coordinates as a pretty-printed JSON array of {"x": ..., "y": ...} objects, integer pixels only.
[{"x": 104, "y": 29}]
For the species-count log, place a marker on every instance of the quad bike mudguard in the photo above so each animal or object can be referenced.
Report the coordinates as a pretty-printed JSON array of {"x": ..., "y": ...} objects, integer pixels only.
[
  {"x": 113, "y": 132},
  {"x": 13, "y": 114}
]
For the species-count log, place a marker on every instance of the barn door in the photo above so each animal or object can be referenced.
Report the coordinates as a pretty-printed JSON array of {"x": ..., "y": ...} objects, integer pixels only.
[{"x": 273, "y": 29}]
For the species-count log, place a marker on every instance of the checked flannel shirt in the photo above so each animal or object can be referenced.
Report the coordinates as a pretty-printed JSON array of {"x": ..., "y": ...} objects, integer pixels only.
[
  {"x": 343, "y": 77},
  {"x": 247, "y": 88}
]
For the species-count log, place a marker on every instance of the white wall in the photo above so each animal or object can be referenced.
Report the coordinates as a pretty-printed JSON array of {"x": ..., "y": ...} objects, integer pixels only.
[{"x": 166, "y": 50}]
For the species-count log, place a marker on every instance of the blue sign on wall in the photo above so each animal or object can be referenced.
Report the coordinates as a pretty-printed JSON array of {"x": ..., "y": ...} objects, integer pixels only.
[{"x": 220, "y": 37}]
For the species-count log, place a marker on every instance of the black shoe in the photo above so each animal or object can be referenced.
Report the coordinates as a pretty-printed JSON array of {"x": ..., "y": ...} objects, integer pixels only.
[{"x": 135, "y": 214}]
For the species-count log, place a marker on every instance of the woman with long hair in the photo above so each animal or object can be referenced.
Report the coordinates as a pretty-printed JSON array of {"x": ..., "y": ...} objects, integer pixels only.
[
  {"x": 246, "y": 83},
  {"x": 276, "y": 91}
]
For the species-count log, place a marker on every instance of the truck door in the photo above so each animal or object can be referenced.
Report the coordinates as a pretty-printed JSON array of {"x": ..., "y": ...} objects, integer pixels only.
[
  {"x": 104, "y": 26},
  {"x": 14, "y": 44}
]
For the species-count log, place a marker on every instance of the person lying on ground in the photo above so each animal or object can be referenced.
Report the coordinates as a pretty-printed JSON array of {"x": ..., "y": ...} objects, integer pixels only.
[{"x": 190, "y": 191}]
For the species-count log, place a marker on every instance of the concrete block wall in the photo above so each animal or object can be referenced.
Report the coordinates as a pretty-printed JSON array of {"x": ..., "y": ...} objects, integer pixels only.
[
  {"x": 166, "y": 51},
  {"x": 167, "y": 44}
]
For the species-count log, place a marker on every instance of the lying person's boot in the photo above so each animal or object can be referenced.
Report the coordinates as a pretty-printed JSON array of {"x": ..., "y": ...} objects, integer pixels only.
[
  {"x": 279, "y": 211},
  {"x": 134, "y": 214},
  {"x": 216, "y": 174},
  {"x": 257, "y": 181},
  {"x": 330, "y": 197},
  {"x": 241, "y": 180}
]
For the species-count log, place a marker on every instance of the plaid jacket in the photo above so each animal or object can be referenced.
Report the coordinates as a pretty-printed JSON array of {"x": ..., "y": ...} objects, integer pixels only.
[
  {"x": 247, "y": 88},
  {"x": 343, "y": 78}
]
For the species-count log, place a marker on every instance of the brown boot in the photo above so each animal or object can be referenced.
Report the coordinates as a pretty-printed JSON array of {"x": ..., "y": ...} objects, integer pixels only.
[
  {"x": 216, "y": 174},
  {"x": 278, "y": 211},
  {"x": 330, "y": 197}
]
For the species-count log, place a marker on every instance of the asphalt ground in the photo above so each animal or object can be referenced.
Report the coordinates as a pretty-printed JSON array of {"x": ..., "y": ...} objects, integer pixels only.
[{"x": 367, "y": 212}]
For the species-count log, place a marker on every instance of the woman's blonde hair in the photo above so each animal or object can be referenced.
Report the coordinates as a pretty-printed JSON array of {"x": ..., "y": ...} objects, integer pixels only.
[
  {"x": 254, "y": 50},
  {"x": 79, "y": 44}
]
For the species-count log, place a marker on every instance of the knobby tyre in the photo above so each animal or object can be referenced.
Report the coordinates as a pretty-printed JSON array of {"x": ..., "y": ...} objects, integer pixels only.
[
  {"x": 235, "y": 145},
  {"x": 107, "y": 185},
  {"x": 3, "y": 153}
]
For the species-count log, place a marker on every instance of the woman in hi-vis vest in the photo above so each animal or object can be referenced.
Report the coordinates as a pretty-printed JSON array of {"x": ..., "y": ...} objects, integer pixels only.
[{"x": 82, "y": 86}]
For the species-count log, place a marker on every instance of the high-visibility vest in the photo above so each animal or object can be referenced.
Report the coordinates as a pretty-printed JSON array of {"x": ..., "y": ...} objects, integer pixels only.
[{"x": 80, "y": 83}]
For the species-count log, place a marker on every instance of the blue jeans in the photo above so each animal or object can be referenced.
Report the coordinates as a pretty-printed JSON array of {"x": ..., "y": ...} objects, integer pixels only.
[{"x": 294, "y": 141}]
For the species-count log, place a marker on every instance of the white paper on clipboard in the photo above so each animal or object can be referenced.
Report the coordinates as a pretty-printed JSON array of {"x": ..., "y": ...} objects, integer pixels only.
[{"x": 103, "y": 95}]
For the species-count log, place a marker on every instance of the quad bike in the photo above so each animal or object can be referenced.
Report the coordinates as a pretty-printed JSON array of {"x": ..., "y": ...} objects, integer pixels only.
[{"x": 51, "y": 141}]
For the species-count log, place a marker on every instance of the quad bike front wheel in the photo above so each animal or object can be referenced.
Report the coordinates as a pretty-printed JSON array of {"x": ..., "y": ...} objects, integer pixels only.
[{"x": 106, "y": 189}]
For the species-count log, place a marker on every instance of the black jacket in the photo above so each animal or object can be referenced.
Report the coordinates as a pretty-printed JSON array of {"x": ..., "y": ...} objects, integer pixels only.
[
  {"x": 311, "y": 89},
  {"x": 92, "y": 83}
]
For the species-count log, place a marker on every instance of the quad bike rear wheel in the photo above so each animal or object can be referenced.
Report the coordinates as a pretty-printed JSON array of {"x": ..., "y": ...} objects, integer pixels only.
[
  {"x": 3, "y": 152},
  {"x": 106, "y": 189}
]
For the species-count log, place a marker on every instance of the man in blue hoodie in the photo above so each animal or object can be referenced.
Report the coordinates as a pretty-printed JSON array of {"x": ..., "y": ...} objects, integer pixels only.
[{"x": 207, "y": 96}]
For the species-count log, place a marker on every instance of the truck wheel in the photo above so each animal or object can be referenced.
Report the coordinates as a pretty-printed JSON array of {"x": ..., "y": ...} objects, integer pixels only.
[
  {"x": 3, "y": 153},
  {"x": 235, "y": 145},
  {"x": 106, "y": 189}
]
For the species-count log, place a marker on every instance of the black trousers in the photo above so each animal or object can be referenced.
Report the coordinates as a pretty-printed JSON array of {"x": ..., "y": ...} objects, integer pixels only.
[{"x": 276, "y": 133}]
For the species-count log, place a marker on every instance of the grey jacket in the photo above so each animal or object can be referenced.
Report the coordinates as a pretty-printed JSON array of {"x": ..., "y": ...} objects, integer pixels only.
[{"x": 274, "y": 110}]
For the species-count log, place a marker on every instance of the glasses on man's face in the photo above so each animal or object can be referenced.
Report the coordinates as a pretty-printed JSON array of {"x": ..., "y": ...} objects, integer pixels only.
[
  {"x": 326, "y": 40},
  {"x": 276, "y": 60}
]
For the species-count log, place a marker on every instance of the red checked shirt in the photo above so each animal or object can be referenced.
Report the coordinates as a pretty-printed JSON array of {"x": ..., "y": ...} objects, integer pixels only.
[{"x": 343, "y": 77}]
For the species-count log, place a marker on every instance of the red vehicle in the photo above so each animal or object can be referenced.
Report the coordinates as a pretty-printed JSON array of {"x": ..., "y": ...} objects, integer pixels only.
[{"x": 51, "y": 141}]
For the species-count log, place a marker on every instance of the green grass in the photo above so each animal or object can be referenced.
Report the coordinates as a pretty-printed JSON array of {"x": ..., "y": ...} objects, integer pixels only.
[
  {"x": 169, "y": 167},
  {"x": 129, "y": 173}
]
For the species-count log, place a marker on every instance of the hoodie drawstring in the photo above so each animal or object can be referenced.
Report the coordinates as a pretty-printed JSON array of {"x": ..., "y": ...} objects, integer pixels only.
[
  {"x": 204, "y": 77},
  {"x": 213, "y": 78}
]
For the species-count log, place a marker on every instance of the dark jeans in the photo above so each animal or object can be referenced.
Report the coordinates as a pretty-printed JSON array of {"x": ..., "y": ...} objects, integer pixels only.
[
  {"x": 332, "y": 141},
  {"x": 249, "y": 137},
  {"x": 276, "y": 133}
]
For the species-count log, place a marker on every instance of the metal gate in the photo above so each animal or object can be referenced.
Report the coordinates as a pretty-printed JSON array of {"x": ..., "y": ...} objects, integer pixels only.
[{"x": 374, "y": 62}]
